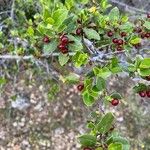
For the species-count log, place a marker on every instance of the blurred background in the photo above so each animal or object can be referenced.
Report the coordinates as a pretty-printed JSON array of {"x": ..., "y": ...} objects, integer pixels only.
[{"x": 37, "y": 113}]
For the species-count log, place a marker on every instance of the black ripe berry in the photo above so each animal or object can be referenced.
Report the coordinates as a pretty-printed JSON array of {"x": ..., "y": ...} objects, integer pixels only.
[
  {"x": 115, "y": 102},
  {"x": 46, "y": 39},
  {"x": 142, "y": 94},
  {"x": 148, "y": 93},
  {"x": 64, "y": 40},
  {"x": 80, "y": 87},
  {"x": 120, "y": 42},
  {"x": 79, "y": 31},
  {"x": 123, "y": 34},
  {"x": 110, "y": 33},
  {"x": 115, "y": 40}
]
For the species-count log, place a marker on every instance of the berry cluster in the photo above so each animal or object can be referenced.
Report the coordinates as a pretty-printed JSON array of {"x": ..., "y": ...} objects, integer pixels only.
[
  {"x": 145, "y": 93},
  {"x": 118, "y": 42},
  {"x": 63, "y": 46},
  {"x": 115, "y": 102}
]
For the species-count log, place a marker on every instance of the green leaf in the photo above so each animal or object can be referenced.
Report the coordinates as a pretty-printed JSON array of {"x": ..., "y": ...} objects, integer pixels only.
[
  {"x": 50, "y": 47},
  {"x": 102, "y": 72},
  {"x": 123, "y": 141},
  {"x": 106, "y": 123},
  {"x": 59, "y": 16},
  {"x": 135, "y": 40},
  {"x": 87, "y": 140},
  {"x": 90, "y": 125},
  {"x": 72, "y": 78},
  {"x": 147, "y": 25},
  {"x": 100, "y": 83},
  {"x": 2, "y": 81},
  {"x": 91, "y": 34},
  {"x": 131, "y": 68},
  {"x": 114, "y": 14},
  {"x": 46, "y": 14},
  {"x": 116, "y": 95},
  {"x": 77, "y": 45},
  {"x": 145, "y": 63},
  {"x": 104, "y": 4},
  {"x": 84, "y": 1},
  {"x": 30, "y": 31},
  {"x": 99, "y": 148},
  {"x": 1, "y": 45},
  {"x": 63, "y": 59},
  {"x": 115, "y": 146},
  {"x": 88, "y": 99},
  {"x": 80, "y": 59},
  {"x": 140, "y": 87},
  {"x": 128, "y": 27},
  {"x": 143, "y": 72},
  {"x": 69, "y": 3},
  {"x": 50, "y": 21}
]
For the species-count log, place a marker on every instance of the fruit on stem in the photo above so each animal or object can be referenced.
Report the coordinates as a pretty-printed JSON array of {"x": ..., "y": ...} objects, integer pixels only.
[
  {"x": 80, "y": 87},
  {"x": 46, "y": 39},
  {"x": 142, "y": 93},
  {"x": 115, "y": 102}
]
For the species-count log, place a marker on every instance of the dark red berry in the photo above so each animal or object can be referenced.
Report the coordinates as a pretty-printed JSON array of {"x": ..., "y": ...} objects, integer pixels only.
[
  {"x": 46, "y": 39},
  {"x": 120, "y": 42},
  {"x": 87, "y": 148},
  {"x": 62, "y": 47},
  {"x": 65, "y": 51},
  {"x": 148, "y": 93},
  {"x": 147, "y": 35},
  {"x": 79, "y": 31},
  {"x": 119, "y": 48},
  {"x": 148, "y": 15},
  {"x": 115, "y": 102},
  {"x": 80, "y": 87},
  {"x": 65, "y": 40},
  {"x": 123, "y": 34},
  {"x": 138, "y": 30},
  {"x": 147, "y": 78},
  {"x": 61, "y": 35},
  {"x": 142, "y": 94},
  {"x": 110, "y": 33},
  {"x": 142, "y": 35},
  {"x": 115, "y": 40}
]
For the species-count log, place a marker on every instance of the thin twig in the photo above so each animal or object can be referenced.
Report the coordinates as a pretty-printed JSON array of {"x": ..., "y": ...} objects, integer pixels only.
[
  {"x": 129, "y": 8},
  {"x": 30, "y": 56},
  {"x": 12, "y": 10},
  {"x": 5, "y": 12}
]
